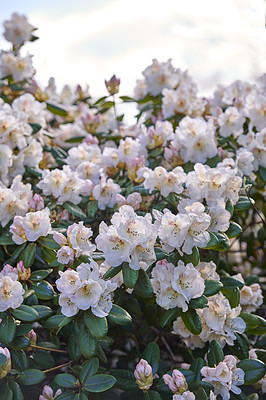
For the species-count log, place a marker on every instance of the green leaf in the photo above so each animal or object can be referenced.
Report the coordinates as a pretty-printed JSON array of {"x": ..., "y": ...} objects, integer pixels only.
[
  {"x": 43, "y": 359},
  {"x": 191, "y": 320},
  {"x": 43, "y": 290},
  {"x": 243, "y": 203},
  {"x": 87, "y": 343},
  {"x": 254, "y": 370},
  {"x": 152, "y": 356},
  {"x": 56, "y": 110},
  {"x": 262, "y": 173},
  {"x": 168, "y": 316},
  {"x": 25, "y": 313},
  {"x": 113, "y": 271},
  {"x": 65, "y": 380},
  {"x": 63, "y": 323},
  {"x": 119, "y": 316},
  {"x": 74, "y": 210},
  {"x": 151, "y": 395},
  {"x": 230, "y": 283},
  {"x": 49, "y": 243},
  {"x": 69, "y": 395},
  {"x": 20, "y": 342},
  {"x": 200, "y": 394},
  {"x": 28, "y": 255},
  {"x": 19, "y": 360},
  {"x": 3, "y": 359},
  {"x": 233, "y": 230},
  {"x": 213, "y": 242},
  {"x": 261, "y": 355},
  {"x": 215, "y": 354},
  {"x": 250, "y": 320},
  {"x": 200, "y": 384},
  {"x": 199, "y": 302},
  {"x": 73, "y": 348},
  {"x": 7, "y": 330},
  {"x": 130, "y": 276},
  {"x": 125, "y": 380},
  {"x": 89, "y": 369},
  {"x": 6, "y": 239},
  {"x": 40, "y": 274},
  {"x": 143, "y": 287},
  {"x": 53, "y": 322},
  {"x": 233, "y": 295},
  {"x": 212, "y": 287},
  {"x": 17, "y": 393},
  {"x": 6, "y": 393},
  {"x": 43, "y": 311},
  {"x": 240, "y": 348},
  {"x": 229, "y": 207},
  {"x": 98, "y": 327},
  {"x": 251, "y": 279},
  {"x": 30, "y": 377},
  {"x": 224, "y": 242},
  {"x": 192, "y": 258},
  {"x": 99, "y": 383},
  {"x": 35, "y": 128}
]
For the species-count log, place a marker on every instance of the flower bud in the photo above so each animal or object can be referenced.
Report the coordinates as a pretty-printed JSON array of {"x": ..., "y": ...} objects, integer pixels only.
[
  {"x": 4, "y": 370},
  {"x": 143, "y": 375},
  {"x": 23, "y": 273},
  {"x": 177, "y": 382},
  {"x": 36, "y": 203},
  {"x": 48, "y": 394},
  {"x": 32, "y": 338},
  {"x": 59, "y": 238},
  {"x": 113, "y": 85}
]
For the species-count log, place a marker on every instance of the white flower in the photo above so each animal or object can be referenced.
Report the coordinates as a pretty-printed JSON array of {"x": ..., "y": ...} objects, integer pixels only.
[
  {"x": 185, "y": 396},
  {"x": 78, "y": 236},
  {"x": 67, "y": 302},
  {"x": 65, "y": 255},
  {"x": 31, "y": 227},
  {"x": 160, "y": 75},
  {"x": 187, "y": 281},
  {"x": 21, "y": 68},
  {"x": 88, "y": 294},
  {"x": 17, "y": 29},
  {"x": 69, "y": 281},
  {"x": 11, "y": 293},
  {"x": 104, "y": 304},
  {"x": 208, "y": 271},
  {"x": 105, "y": 193}
]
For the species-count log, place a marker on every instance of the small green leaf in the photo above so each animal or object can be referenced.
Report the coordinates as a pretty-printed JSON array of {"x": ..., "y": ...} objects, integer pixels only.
[
  {"x": 113, "y": 271},
  {"x": 233, "y": 230},
  {"x": 99, "y": 383},
  {"x": 130, "y": 276},
  {"x": 40, "y": 274},
  {"x": 43, "y": 311},
  {"x": 168, "y": 316},
  {"x": 212, "y": 287},
  {"x": 240, "y": 348},
  {"x": 74, "y": 210},
  {"x": 233, "y": 295},
  {"x": 17, "y": 393},
  {"x": 20, "y": 342},
  {"x": 28, "y": 255},
  {"x": 192, "y": 258},
  {"x": 31, "y": 377},
  {"x": 213, "y": 242},
  {"x": 143, "y": 287},
  {"x": 89, "y": 369},
  {"x": 152, "y": 395},
  {"x": 125, "y": 380},
  {"x": 152, "y": 356},
  {"x": 49, "y": 243},
  {"x": 63, "y": 323},
  {"x": 215, "y": 354},
  {"x": 19, "y": 360},
  {"x": 119, "y": 316},
  {"x": 224, "y": 242},
  {"x": 7, "y": 330},
  {"x": 43, "y": 290},
  {"x": 230, "y": 283},
  {"x": 53, "y": 322},
  {"x": 6, "y": 393},
  {"x": 196, "y": 366},
  {"x": 6, "y": 239},
  {"x": 56, "y": 110},
  {"x": 98, "y": 327},
  {"x": 25, "y": 313},
  {"x": 65, "y": 380},
  {"x": 254, "y": 370},
  {"x": 243, "y": 203},
  {"x": 192, "y": 321},
  {"x": 87, "y": 343},
  {"x": 199, "y": 302}
]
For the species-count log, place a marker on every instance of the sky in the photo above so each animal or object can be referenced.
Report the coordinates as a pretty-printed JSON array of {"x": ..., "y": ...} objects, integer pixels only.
[{"x": 87, "y": 41}]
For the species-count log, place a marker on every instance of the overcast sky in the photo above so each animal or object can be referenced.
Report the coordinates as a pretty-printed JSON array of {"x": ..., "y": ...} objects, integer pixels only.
[{"x": 86, "y": 41}]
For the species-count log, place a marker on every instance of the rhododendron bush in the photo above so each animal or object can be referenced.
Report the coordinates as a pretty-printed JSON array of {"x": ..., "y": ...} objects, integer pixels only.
[{"x": 131, "y": 256}]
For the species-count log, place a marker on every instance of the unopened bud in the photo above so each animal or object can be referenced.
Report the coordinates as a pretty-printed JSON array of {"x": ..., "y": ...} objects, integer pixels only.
[
  {"x": 23, "y": 273},
  {"x": 59, "y": 238},
  {"x": 32, "y": 338},
  {"x": 143, "y": 375},
  {"x": 177, "y": 382},
  {"x": 48, "y": 393},
  {"x": 36, "y": 203},
  {"x": 113, "y": 85},
  {"x": 4, "y": 370}
]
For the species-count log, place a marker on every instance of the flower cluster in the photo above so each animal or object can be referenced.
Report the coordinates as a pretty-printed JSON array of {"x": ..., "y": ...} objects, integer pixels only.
[{"x": 85, "y": 289}]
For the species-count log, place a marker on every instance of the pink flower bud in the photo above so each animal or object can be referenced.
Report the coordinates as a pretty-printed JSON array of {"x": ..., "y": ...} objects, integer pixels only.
[
  {"x": 4, "y": 370},
  {"x": 177, "y": 382},
  {"x": 143, "y": 375},
  {"x": 32, "y": 338},
  {"x": 48, "y": 394},
  {"x": 23, "y": 273},
  {"x": 113, "y": 85},
  {"x": 36, "y": 203},
  {"x": 134, "y": 200},
  {"x": 59, "y": 238},
  {"x": 90, "y": 139}
]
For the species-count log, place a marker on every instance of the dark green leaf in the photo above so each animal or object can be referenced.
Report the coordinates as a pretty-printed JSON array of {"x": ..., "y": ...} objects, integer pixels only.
[
  {"x": 53, "y": 321},
  {"x": 215, "y": 354},
  {"x": 233, "y": 295},
  {"x": 43, "y": 311},
  {"x": 119, "y": 316},
  {"x": 151, "y": 395},
  {"x": 191, "y": 320},
  {"x": 152, "y": 356},
  {"x": 17, "y": 393},
  {"x": 240, "y": 348},
  {"x": 43, "y": 290},
  {"x": 243, "y": 203},
  {"x": 199, "y": 302},
  {"x": 130, "y": 276},
  {"x": 31, "y": 377},
  {"x": 3, "y": 359},
  {"x": 40, "y": 274},
  {"x": 143, "y": 286},
  {"x": 125, "y": 379},
  {"x": 98, "y": 327},
  {"x": 230, "y": 283},
  {"x": 213, "y": 242},
  {"x": 233, "y": 230},
  {"x": 87, "y": 343},
  {"x": 65, "y": 380},
  {"x": 6, "y": 392},
  {"x": 113, "y": 271},
  {"x": 212, "y": 287},
  {"x": 6, "y": 239},
  {"x": 20, "y": 342},
  {"x": 99, "y": 383},
  {"x": 49, "y": 243},
  {"x": 89, "y": 369},
  {"x": 74, "y": 210},
  {"x": 168, "y": 316},
  {"x": 254, "y": 370},
  {"x": 192, "y": 258},
  {"x": 25, "y": 313},
  {"x": 7, "y": 330},
  {"x": 28, "y": 255},
  {"x": 19, "y": 360},
  {"x": 56, "y": 110}
]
